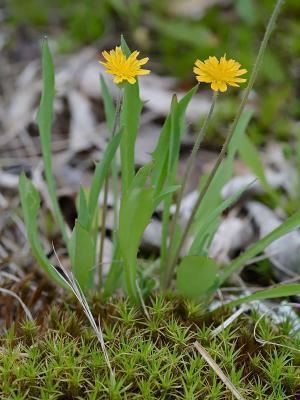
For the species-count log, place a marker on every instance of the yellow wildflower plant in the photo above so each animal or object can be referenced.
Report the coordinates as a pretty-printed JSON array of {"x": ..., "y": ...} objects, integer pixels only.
[
  {"x": 124, "y": 68},
  {"x": 219, "y": 74}
]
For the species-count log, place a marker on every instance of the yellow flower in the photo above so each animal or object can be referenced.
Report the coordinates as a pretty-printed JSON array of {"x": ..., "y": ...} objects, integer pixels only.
[
  {"x": 123, "y": 68},
  {"x": 219, "y": 73}
]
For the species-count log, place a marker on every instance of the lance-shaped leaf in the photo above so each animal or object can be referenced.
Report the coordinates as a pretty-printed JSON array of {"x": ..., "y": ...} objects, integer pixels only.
[
  {"x": 135, "y": 214},
  {"x": 45, "y": 116},
  {"x": 83, "y": 252},
  {"x": 30, "y": 201}
]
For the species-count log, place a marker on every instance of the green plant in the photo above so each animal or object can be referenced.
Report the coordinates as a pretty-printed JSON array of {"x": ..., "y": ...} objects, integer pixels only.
[
  {"x": 59, "y": 356},
  {"x": 144, "y": 190}
]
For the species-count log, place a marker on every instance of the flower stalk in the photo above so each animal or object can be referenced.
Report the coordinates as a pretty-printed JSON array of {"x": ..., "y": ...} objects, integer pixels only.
[{"x": 223, "y": 153}]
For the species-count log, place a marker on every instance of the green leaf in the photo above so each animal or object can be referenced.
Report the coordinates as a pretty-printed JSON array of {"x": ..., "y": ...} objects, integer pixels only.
[
  {"x": 130, "y": 118},
  {"x": 239, "y": 133},
  {"x": 165, "y": 158},
  {"x": 161, "y": 154},
  {"x": 124, "y": 47},
  {"x": 83, "y": 256},
  {"x": 208, "y": 220},
  {"x": 141, "y": 176},
  {"x": 109, "y": 107},
  {"x": 196, "y": 276},
  {"x": 111, "y": 121},
  {"x": 100, "y": 173},
  {"x": 165, "y": 193},
  {"x": 166, "y": 153},
  {"x": 135, "y": 213},
  {"x": 271, "y": 293},
  {"x": 83, "y": 212},
  {"x": 45, "y": 116},
  {"x": 287, "y": 226},
  {"x": 30, "y": 201}
]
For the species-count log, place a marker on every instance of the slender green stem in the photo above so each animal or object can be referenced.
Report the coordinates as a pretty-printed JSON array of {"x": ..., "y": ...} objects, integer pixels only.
[
  {"x": 106, "y": 189},
  {"x": 114, "y": 174},
  {"x": 189, "y": 165},
  {"x": 224, "y": 149}
]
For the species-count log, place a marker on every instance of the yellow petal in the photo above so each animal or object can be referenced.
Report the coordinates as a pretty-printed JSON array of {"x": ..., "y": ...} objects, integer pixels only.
[
  {"x": 106, "y": 55},
  {"x": 239, "y": 80},
  {"x": 241, "y": 72},
  {"x": 197, "y": 70},
  {"x": 213, "y": 60},
  {"x": 233, "y": 84},
  {"x": 199, "y": 63},
  {"x": 214, "y": 85},
  {"x": 131, "y": 80},
  {"x": 222, "y": 86},
  {"x": 143, "y": 72},
  {"x": 205, "y": 79},
  {"x": 143, "y": 61},
  {"x": 118, "y": 79}
]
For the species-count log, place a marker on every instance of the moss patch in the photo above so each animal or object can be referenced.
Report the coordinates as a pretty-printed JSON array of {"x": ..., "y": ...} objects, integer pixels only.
[{"x": 58, "y": 356}]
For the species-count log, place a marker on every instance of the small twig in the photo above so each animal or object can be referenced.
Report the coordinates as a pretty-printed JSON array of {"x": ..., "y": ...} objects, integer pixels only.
[
  {"x": 229, "y": 321},
  {"x": 218, "y": 371},
  {"x": 23, "y": 305}
]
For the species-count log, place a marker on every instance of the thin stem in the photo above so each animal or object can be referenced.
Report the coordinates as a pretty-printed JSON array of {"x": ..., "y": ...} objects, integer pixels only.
[
  {"x": 224, "y": 149},
  {"x": 106, "y": 189},
  {"x": 114, "y": 174},
  {"x": 189, "y": 165}
]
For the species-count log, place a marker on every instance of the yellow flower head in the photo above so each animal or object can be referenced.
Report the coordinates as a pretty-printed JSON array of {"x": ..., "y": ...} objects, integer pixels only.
[
  {"x": 124, "y": 68},
  {"x": 219, "y": 73}
]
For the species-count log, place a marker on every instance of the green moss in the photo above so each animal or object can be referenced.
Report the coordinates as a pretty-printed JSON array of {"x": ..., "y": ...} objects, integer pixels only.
[{"x": 58, "y": 356}]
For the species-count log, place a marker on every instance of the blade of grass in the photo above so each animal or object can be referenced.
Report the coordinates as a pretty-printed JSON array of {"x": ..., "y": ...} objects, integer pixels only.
[
  {"x": 287, "y": 226},
  {"x": 271, "y": 293},
  {"x": 71, "y": 282}
]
